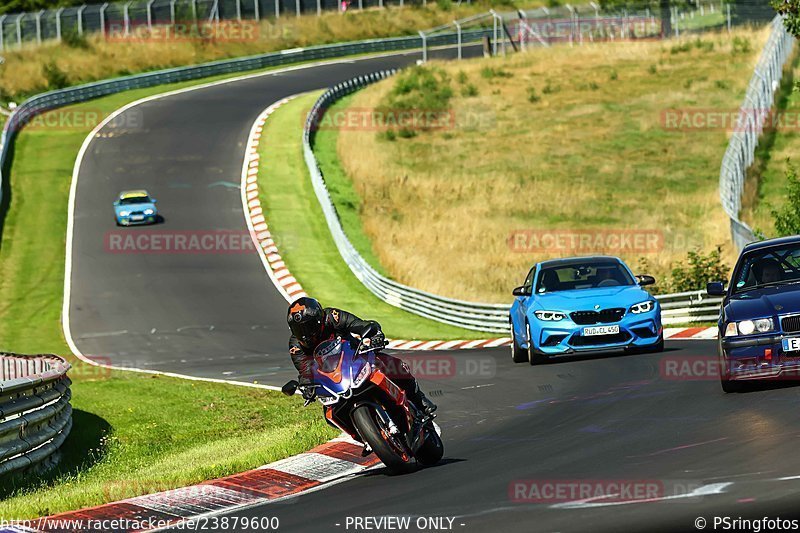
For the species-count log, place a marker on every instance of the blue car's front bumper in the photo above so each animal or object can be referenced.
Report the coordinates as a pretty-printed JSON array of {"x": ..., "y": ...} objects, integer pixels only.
[
  {"x": 566, "y": 337},
  {"x": 758, "y": 357},
  {"x": 130, "y": 221}
]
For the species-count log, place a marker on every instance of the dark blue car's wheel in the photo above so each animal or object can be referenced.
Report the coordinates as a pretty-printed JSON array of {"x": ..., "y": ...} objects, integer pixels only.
[
  {"x": 533, "y": 357},
  {"x": 518, "y": 354}
]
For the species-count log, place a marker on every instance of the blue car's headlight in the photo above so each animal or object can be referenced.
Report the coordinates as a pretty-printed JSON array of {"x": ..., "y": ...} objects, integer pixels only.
[
  {"x": 748, "y": 327},
  {"x": 149, "y": 212},
  {"x": 643, "y": 307},
  {"x": 550, "y": 316},
  {"x": 124, "y": 213}
]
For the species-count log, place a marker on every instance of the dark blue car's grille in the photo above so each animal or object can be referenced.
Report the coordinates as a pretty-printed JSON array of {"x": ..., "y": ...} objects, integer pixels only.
[
  {"x": 790, "y": 324},
  {"x": 605, "y": 316}
]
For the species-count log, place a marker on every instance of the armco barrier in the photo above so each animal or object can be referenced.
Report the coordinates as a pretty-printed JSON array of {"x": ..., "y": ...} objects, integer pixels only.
[
  {"x": 753, "y": 112},
  {"x": 35, "y": 414},
  {"x": 677, "y": 308}
]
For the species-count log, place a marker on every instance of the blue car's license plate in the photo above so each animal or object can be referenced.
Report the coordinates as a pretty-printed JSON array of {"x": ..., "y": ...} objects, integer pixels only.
[
  {"x": 137, "y": 217},
  {"x": 791, "y": 344}
]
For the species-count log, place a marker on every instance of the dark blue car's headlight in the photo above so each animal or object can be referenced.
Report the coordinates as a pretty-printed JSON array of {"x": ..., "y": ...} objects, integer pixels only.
[
  {"x": 749, "y": 327},
  {"x": 643, "y": 307},
  {"x": 550, "y": 316}
]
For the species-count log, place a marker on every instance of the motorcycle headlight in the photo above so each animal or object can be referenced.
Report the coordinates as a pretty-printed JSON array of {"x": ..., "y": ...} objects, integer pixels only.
[
  {"x": 148, "y": 212},
  {"x": 327, "y": 400},
  {"x": 550, "y": 316},
  {"x": 643, "y": 307},
  {"x": 363, "y": 374},
  {"x": 124, "y": 213}
]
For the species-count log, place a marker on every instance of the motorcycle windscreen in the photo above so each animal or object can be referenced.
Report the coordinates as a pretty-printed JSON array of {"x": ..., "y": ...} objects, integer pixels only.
[{"x": 328, "y": 361}]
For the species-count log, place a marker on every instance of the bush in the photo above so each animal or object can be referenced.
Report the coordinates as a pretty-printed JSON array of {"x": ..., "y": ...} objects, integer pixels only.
[
  {"x": 420, "y": 88},
  {"x": 490, "y": 73},
  {"x": 532, "y": 96},
  {"x": 469, "y": 90},
  {"x": 462, "y": 77},
  {"x": 698, "y": 270},
  {"x": 787, "y": 218},
  {"x": 73, "y": 39},
  {"x": 56, "y": 78},
  {"x": 741, "y": 45},
  {"x": 613, "y": 76}
]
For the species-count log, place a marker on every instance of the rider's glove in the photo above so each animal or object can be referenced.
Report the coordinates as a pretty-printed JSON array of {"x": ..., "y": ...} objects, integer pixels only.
[{"x": 379, "y": 339}]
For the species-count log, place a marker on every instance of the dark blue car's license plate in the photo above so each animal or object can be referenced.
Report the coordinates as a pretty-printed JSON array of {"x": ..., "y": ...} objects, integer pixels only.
[{"x": 791, "y": 344}]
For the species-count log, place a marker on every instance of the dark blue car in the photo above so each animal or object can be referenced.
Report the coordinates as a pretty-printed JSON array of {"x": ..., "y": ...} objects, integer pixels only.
[{"x": 759, "y": 324}]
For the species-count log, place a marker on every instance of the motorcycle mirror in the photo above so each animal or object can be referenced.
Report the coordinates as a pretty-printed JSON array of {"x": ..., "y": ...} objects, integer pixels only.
[{"x": 290, "y": 387}]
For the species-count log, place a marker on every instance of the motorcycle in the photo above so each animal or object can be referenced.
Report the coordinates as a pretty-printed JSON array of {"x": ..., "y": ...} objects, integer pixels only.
[{"x": 359, "y": 398}]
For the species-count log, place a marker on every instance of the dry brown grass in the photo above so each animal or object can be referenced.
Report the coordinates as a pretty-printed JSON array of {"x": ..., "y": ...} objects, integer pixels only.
[
  {"x": 591, "y": 154},
  {"x": 23, "y": 72}
]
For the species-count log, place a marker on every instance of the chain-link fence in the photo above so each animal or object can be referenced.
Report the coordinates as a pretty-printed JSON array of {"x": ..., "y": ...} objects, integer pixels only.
[{"x": 754, "y": 111}]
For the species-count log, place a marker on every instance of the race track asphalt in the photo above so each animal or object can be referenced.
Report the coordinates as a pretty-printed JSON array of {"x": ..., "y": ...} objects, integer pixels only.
[{"x": 598, "y": 420}]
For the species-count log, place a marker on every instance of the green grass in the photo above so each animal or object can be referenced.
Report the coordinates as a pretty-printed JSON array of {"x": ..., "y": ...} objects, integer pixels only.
[
  {"x": 295, "y": 218},
  {"x": 133, "y": 433}
]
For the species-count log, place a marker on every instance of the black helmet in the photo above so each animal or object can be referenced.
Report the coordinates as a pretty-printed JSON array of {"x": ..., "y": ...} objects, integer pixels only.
[{"x": 305, "y": 320}]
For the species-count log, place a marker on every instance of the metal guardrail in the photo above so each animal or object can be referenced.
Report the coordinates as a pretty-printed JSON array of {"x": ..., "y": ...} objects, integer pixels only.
[
  {"x": 754, "y": 111},
  {"x": 35, "y": 414},
  {"x": 677, "y": 308}
]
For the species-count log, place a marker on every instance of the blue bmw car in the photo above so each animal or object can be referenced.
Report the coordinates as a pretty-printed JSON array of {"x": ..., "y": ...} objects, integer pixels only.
[
  {"x": 583, "y": 305},
  {"x": 759, "y": 323},
  {"x": 135, "y": 207}
]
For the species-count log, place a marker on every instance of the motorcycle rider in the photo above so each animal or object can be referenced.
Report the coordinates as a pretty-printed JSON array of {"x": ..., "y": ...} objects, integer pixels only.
[{"x": 312, "y": 324}]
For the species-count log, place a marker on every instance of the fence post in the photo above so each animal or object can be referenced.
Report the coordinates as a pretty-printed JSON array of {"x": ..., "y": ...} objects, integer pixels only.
[
  {"x": 19, "y": 30},
  {"x": 103, "y": 18},
  {"x": 729, "y": 18},
  {"x": 80, "y": 19},
  {"x": 296, "y": 7},
  {"x": 172, "y": 12},
  {"x": 319, "y": 7},
  {"x": 150, "y": 15},
  {"x": 126, "y": 17},
  {"x": 2, "y": 32},
  {"x": 39, "y": 27},
  {"x": 255, "y": 7},
  {"x": 194, "y": 11},
  {"x": 58, "y": 22}
]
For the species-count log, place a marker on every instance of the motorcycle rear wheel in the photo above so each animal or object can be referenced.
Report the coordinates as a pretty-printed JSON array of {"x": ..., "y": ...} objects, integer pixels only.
[{"x": 365, "y": 421}]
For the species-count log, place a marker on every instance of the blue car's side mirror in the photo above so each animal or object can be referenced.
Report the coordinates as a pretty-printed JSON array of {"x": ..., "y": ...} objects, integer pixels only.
[
  {"x": 645, "y": 280},
  {"x": 116, "y": 203},
  {"x": 715, "y": 288},
  {"x": 521, "y": 291},
  {"x": 153, "y": 200}
]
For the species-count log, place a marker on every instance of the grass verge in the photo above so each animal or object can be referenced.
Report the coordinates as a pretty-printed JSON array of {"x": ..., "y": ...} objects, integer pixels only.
[
  {"x": 550, "y": 144},
  {"x": 133, "y": 433},
  {"x": 295, "y": 217}
]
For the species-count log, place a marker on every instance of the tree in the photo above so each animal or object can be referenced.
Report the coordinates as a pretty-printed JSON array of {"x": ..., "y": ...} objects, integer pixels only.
[
  {"x": 790, "y": 9},
  {"x": 787, "y": 218}
]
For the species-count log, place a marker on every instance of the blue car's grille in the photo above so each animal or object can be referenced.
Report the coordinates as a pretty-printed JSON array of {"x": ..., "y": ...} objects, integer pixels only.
[
  {"x": 790, "y": 324},
  {"x": 605, "y": 316}
]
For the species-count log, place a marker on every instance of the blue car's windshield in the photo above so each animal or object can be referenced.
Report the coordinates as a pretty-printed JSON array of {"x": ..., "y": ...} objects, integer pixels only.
[
  {"x": 583, "y": 275},
  {"x": 772, "y": 266},
  {"x": 134, "y": 200}
]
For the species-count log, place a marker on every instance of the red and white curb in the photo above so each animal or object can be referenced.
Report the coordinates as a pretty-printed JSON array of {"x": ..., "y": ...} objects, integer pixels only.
[{"x": 327, "y": 463}]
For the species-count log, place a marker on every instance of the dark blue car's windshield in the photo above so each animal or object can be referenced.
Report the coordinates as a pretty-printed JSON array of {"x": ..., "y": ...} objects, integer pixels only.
[
  {"x": 773, "y": 266},
  {"x": 588, "y": 275}
]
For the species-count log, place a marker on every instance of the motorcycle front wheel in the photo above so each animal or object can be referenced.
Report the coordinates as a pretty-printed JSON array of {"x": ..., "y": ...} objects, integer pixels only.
[
  {"x": 432, "y": 450},
  {"x": 388, "y": 451}
]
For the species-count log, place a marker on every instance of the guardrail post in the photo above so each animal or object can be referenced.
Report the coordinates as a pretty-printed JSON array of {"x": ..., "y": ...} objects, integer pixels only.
[
  {"x": 58, "y": 22},
  {"x": 458, "y": 30},
  {"x": 424, "y": 46}
]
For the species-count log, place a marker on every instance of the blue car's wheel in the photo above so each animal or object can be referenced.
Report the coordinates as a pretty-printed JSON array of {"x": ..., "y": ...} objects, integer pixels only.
[
  {"x": 533, "y": 357},
  {"x": 518, "y": 354}
]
